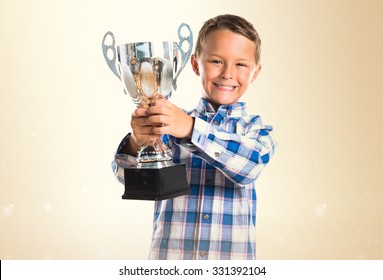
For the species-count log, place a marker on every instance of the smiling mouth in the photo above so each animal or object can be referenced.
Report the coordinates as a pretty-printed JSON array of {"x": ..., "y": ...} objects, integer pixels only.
[{"x": 224, "y": 87}]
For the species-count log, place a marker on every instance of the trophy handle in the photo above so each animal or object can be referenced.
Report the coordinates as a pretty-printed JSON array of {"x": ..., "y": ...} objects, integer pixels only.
[
  {"x": 105, "y": 48},
  {"x": 184, "y": 55}
]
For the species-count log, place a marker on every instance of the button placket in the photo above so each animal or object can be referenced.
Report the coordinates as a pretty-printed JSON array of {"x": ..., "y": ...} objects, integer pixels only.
[{"x": 217, "y": 119}]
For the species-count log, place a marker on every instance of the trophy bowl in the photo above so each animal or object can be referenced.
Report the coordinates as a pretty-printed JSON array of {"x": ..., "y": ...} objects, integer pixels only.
[{"x": 149, "y": 71}]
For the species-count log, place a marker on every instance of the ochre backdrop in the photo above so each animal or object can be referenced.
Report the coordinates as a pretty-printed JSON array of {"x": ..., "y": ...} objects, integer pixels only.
[{"x": 63, "y": 113}]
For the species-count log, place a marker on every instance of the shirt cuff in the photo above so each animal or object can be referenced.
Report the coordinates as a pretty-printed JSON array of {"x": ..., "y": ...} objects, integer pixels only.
[
  {"x": 200, "y": 140},
  {"x": 197, "y": 141},
  {"x": 122, "y": 159},
  {"x": 201, "y": 129}
]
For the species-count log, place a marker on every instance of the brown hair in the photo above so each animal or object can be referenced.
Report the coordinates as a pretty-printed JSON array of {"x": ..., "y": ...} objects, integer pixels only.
[{"x": 233, "y": 23}]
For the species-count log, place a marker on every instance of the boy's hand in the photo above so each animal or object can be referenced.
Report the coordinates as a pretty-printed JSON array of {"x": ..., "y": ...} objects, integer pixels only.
[
  {"x": 166, "y": 118},
  {"x": 142, "y": 130},
  {"x": 163, "y": 117}
]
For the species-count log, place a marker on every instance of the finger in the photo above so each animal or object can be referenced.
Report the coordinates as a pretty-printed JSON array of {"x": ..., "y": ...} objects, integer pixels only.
[
  {"x": 160, "y": 130},
  {"x": 146, "y": 130},
  {"x": 158, "y": 110},
  {"x": 159, "y": 101},
  {"x": 139, "y": 122},
  {"x": 158, "y": 120},
  {"x": 140, "y": 112},
  {"x": 143, "y": 104},
  {"x": 163, "y": 102}
]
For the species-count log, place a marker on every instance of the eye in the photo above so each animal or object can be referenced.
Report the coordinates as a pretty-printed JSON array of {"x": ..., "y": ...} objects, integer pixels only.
[
  {"x": 216, "y": 61},
  {"x": 241, "y": 65}
]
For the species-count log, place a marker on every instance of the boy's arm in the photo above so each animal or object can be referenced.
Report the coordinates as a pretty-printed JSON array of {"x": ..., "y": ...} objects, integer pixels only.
[
  {"x": 241, "y": 156},
  {"x": 122, "y": 159},
  {"x": 167, "y": 118},
  {"x": 126, "y": 153}
]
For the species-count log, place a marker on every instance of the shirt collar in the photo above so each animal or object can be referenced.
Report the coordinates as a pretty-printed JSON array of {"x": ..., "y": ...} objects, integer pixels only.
[{"x": 236, "y": 110}]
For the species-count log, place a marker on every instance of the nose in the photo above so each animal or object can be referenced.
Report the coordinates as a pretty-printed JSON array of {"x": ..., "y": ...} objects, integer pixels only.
[{"x": 227, "y": 73}]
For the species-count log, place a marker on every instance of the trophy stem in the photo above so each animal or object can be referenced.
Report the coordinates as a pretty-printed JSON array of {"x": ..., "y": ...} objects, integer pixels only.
[{"x": 154, "y": 155}]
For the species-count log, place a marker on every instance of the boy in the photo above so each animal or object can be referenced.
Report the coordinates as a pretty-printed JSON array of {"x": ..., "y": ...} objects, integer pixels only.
[{"x": 224, "y": 150}]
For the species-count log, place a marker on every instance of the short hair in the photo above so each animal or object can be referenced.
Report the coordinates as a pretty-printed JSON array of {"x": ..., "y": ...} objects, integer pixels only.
[{"x": 234, "y": 24}]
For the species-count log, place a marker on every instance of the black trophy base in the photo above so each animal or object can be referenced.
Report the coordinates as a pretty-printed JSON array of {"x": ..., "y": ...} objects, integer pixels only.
[{"x": 155, "y": 184}]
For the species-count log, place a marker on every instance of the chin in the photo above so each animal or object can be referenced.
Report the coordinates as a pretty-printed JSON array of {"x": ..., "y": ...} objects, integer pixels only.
[{"x": 225, "y": 102}]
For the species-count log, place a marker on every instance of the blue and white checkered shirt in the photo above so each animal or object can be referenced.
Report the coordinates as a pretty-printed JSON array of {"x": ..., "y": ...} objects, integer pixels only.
[{"x": 224, "y": 157}]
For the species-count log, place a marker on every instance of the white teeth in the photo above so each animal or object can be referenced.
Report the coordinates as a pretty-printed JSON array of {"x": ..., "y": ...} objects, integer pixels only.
[{"x": 225, "y": 87}]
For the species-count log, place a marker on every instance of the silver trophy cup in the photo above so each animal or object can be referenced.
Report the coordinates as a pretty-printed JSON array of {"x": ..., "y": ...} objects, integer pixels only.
[{"x": 149, "y": 71}]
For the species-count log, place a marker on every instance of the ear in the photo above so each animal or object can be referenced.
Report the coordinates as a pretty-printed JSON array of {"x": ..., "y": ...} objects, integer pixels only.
[
  {"x": 194, "y": 64},
  {"x": 255, "y": 75}
]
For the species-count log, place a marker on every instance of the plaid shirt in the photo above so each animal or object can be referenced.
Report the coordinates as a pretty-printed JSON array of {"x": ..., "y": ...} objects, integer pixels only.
[{"x": 224, "y": 157}]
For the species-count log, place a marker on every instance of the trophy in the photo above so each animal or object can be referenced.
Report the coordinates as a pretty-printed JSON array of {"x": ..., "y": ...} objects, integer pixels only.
[{"x": 149, "y": 71}]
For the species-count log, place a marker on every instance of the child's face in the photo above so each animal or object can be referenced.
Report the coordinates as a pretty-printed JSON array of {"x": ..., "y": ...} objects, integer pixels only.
[{"x": 226, "y": 65}]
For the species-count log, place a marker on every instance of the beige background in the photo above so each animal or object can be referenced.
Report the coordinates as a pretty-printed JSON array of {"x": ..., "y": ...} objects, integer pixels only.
[{"x": 63, "y": 113}]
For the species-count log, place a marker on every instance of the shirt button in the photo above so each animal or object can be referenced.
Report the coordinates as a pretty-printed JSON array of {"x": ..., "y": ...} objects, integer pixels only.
[
  {"x": 215, "y": 122},
  {"x": 202, "y": 253},
  {"x": 206, "y": 217},
  {"x": 217, "y": 154},
  {"x": 209, "y": 182}
]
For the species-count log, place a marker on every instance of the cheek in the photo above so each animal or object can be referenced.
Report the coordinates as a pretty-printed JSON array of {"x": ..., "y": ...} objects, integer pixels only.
[
  {"x": 245, "y": 77},
  {"x": 209, "y": 70},
  {"x": 205, "y": 81},
  {"x": 206, "y": 74}
]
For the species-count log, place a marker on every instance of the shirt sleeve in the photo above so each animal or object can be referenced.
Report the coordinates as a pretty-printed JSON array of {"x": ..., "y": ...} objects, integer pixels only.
[
  {"x": 122, "y": 161},
  {"x": 240, "y": 155}
]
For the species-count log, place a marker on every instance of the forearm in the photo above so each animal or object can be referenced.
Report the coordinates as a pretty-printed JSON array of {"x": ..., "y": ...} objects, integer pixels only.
[
  {"x": 240, "y": 156},
  {"x": 123, "y": 158}
]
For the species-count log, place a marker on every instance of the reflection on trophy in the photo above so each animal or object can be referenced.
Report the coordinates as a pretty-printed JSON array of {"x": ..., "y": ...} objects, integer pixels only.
[{"x": 149, "y": 71}]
